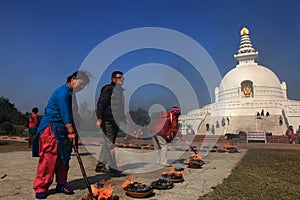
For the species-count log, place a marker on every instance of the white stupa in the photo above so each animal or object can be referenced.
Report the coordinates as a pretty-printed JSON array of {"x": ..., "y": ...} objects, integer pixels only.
[{"x": 245, "y": 90}]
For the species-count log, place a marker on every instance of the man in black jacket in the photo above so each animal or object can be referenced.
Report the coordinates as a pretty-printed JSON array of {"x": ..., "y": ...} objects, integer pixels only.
[{"x": 110, "y": 115}]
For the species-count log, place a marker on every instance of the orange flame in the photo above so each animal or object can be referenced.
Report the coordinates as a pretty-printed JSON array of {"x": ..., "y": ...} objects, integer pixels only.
[
  {"x": 173, "y": 171},
  {"x": 128, "y": 181},
  {"x": 197, "y": 157},
  {"x": 228, "y": 146},
  {"x": 104, "y": 192}
]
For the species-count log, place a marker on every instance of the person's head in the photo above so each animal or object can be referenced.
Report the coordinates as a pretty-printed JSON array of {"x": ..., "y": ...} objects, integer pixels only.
[
  {"x": 78, "y": 80},
  {"x": 117, "y": 77},
  {"x": 176, "y": 110},
  {"x": 35, "y": 110}
]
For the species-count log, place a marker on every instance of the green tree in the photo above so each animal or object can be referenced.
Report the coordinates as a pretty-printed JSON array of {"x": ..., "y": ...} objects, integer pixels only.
[
  {"x": 9, "y": 113},
  {"x": 140, "y": 117}
]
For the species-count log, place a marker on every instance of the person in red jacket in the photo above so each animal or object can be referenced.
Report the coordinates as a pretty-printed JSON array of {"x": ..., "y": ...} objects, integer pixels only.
[
  {"x": 164, "y": 130},
  {"x": 33, "y": 123}
]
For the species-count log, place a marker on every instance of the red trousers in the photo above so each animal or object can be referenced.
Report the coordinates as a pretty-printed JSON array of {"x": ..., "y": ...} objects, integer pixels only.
[{"x": 49, "y": 163}]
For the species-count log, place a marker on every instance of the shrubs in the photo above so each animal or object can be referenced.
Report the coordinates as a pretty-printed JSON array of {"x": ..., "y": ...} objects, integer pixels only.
[
  {"x": 9, "y": 113},
  {"x": 6, "y": 126}
]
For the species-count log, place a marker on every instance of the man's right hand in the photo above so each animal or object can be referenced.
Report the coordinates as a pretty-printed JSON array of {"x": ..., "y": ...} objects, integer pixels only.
[{"x": 98, "y": 123}]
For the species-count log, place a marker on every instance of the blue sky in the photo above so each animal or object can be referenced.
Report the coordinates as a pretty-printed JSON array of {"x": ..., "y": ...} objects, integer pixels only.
[{"x": 42, "y": 42}]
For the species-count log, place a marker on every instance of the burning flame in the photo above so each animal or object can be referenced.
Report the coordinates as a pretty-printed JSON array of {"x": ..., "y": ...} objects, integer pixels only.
[
  {"x": 148, "y": 146},
  {"x": 228, "y": 146},
  {"x": 197, "y": 157},
  {"x": 128, "y": 181},
  {"x": 173, "y": 171},
  {"x": 104, "y": 191}
]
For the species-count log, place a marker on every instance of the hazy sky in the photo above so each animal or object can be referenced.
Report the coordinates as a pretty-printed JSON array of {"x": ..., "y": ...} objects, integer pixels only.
[{"x": 42, "y": 42}]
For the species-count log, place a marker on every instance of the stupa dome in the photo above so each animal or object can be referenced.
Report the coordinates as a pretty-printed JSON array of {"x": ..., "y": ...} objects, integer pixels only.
[
  {"x": 257, "y": 74},
  {"x": 249, "y": 79},
  {"x": 246, "y": 94}
]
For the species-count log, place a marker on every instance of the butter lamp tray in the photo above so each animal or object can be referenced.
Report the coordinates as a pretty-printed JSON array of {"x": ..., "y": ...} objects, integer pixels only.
[
  {"x": 195, "y": 164},
  {"x": 173, "y": 178},
  {"x": 162, "y": 184},
  {"x": 221, "y": 150},
  {"x": 138, "y": 190},
  {"x": 176, "y": 180},
  {"x": 139, "y": 194},
  {"x": 178, "y": 169}
]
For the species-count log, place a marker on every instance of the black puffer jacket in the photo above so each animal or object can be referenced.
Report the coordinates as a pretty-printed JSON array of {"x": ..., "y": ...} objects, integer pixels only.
[{"x": 110, "y": 106}]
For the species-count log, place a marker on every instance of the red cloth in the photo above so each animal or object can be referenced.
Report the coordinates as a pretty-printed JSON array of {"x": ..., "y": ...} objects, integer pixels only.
[
  {"x": 49, "y": 163},
  {"x": 33, "y": 120},
  {"x": 166, "y": 125}
]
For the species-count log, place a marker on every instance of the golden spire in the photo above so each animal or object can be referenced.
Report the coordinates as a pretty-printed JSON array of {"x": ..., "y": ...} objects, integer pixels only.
[
  {"x": 244, "y": 31},
  {"x": 246, "y": 52}
]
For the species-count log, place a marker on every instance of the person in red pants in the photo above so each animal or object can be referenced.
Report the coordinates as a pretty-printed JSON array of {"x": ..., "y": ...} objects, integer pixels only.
[
  {"x": 53, "y": 141},
  {"x": 33, "y": 124}
]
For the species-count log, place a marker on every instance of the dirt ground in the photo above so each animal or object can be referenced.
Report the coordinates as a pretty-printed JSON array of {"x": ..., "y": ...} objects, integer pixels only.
[{"x": 17, "y": 172}]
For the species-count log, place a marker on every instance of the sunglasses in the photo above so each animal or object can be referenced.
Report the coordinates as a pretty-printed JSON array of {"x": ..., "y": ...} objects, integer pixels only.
[
  {"x": 119, "y": 77},
  {"x": 176, "y": 111}
]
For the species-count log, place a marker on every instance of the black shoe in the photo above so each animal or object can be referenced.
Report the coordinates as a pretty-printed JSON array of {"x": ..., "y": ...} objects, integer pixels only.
[
  {"x": 116, "y": 173},
  {"x": 102, "y": 169}
]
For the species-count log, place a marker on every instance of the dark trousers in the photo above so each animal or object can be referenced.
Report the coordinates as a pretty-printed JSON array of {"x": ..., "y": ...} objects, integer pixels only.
[{"x": 107, "y": 155}]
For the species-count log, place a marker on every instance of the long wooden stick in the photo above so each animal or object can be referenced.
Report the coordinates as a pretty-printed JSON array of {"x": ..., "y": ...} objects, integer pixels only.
[
  {"x": 82, "y": 169},
  {"x": 191, "y": 147}
]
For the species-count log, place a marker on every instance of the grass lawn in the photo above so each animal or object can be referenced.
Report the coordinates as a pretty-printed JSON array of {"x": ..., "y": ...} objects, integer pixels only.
[{"x": 262, "y": 174}]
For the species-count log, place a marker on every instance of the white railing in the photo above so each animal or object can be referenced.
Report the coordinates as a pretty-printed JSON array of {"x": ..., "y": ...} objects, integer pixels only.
[{"x": 256, "y": 136}]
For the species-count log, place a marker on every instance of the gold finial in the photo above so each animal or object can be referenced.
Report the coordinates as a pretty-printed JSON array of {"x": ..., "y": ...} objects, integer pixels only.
[{"x": 244, "y": 31}]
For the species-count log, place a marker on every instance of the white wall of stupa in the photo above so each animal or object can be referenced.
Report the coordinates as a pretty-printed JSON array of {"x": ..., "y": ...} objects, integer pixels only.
[{"x": 245, "y": 90}]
